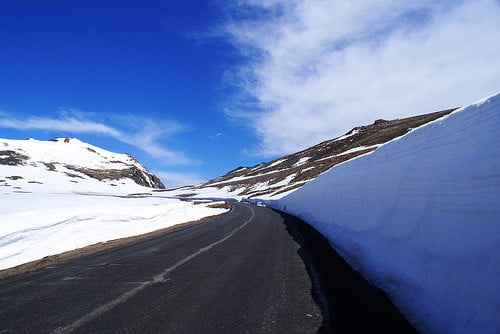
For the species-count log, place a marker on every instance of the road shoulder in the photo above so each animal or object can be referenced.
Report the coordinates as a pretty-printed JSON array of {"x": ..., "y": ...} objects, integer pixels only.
[{"x": 98, "y": 247}]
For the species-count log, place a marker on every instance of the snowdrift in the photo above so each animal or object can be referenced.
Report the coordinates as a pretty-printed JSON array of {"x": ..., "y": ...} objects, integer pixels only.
[
  {"x": 37, "y": 225},
  {"x": 420, "y": 218}
]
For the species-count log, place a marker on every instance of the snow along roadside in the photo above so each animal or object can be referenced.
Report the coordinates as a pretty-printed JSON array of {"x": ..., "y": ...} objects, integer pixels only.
[
  {"x": 34, "y": 226},
  {"x": 419, "y": 217}
]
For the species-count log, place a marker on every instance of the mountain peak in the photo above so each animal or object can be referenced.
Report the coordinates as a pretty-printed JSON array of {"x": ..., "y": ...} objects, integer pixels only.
[{"x": 54, "y": 165}]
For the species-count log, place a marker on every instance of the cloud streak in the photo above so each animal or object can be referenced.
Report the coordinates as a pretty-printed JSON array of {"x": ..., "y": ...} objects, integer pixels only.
[
  {"x": 316, "y": 68},
  {"x": 142, "y": 133},
  {"x": 67, "y": 124},
  {"x": 175, "y": 179}
]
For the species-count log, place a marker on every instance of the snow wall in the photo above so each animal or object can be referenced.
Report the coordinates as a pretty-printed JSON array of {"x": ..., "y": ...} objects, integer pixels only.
[{"x": 420, "y": 218}]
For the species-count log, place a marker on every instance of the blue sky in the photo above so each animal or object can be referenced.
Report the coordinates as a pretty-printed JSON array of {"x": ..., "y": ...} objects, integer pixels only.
[
  {"x": 124, "y": 64},
  {"x": 194, "y": 88}
]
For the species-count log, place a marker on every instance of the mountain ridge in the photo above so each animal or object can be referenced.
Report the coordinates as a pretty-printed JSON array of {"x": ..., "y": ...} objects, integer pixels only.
[{"x": 285, "y": 174}]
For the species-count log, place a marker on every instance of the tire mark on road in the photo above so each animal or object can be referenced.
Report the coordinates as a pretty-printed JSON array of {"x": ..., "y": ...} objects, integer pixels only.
[{"x": 160, "y": 278}]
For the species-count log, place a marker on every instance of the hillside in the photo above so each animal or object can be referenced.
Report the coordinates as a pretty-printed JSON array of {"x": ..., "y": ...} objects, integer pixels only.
[
  {"x": 68, "y": 164},
  {"x": 278, "y": 177}
]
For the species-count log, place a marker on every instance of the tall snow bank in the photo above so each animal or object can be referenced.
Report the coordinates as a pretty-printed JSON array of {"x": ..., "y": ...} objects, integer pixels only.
[{"x": 420, "y": 217}]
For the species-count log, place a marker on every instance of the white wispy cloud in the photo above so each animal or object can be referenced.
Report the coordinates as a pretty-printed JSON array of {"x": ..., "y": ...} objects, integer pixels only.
[
  {"x": 142, "y": 133},
  {"x": 68, "y": 124},
  {"x": 175, "y": 179},
  {"x": 217, "y": 136},
  {"x": 316, "y": 68}
]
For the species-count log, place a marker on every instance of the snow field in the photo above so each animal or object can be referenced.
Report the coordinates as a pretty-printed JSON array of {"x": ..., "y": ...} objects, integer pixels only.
[
  {"x": 39, "y": 180},
  {"x": 73, "y": 151},
  {"x": 33, "y": 226}
]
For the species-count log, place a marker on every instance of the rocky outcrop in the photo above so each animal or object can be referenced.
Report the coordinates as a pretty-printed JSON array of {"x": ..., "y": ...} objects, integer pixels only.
[
  {"x": 142, "y": 178},
  {"x": 12, "y": 158}
]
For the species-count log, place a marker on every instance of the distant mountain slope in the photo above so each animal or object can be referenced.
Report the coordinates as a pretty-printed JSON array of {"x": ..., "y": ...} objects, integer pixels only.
[
  {"x": 68, "y": 164},
  {"x": 278, "y": 177}
]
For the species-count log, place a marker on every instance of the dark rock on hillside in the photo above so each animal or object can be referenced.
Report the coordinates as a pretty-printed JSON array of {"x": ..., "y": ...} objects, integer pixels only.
[
  {"x": 146, "y": 179},
  {"x": 140, "y": 177},
  {"x": 12, "y": 158}
]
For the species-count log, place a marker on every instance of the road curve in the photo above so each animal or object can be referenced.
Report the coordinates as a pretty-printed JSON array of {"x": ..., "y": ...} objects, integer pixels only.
[
  {"x": 238, "y": 273},
  {"x": 252, "y": 270}
]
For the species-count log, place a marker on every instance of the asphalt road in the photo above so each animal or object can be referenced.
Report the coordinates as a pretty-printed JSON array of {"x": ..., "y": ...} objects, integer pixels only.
[{"x": 252, "y": 270}]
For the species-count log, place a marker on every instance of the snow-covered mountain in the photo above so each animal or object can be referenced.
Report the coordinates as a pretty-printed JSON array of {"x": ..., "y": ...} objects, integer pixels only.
[
  {"x": 68, "y": 164},
  {"x": 281, "y": 176},
  {"x": 64, "y": 194}
]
